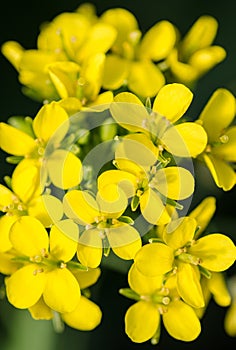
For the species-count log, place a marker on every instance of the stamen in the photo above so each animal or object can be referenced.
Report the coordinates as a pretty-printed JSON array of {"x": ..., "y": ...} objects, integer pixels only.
[{"x": 35, "y": 272}]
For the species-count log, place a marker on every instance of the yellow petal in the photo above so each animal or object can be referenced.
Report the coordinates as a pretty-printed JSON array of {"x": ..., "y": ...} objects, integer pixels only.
[
  {"x": 112, "y": 201},
  {"x": 141, "y": 284},
  {"x": 179, "y": 232},
  {"x": 173, "y": 101},
  {"x": 174, "y": 182},
  {"x": 25, "y": 286},
  {"x": 141, "y": 321},
  {"x": 26, "y": 180},
  {"x": 40, "y": 311},
  {"x": 81, "y": 206},
  {"x": 62, "y": 247},
  {"x": 158, "y": 41},
  {"x": 129, "y": 112},
  {"x": 124, "y": 22},
  {"x": 226, "y": 151},
  {"x": 218, "y": 113},
  {"x": 6, "y": 197},
  {"x": 230, "y": 320},
  {"x": 29, "y": 237},
  {"x": 181, "y": 322},
  {"x": 87, "y": 278},
  {"x": 46, "y": 208},
  {"x": 222, "y": 173},
  {"x": 137, "y": 148},
  {"x": 218, "y": 287},
  {"x": 154, "y": 259},
  {"x": 92, "y": 73},
  {"x": 188, "y": 285},
  {"x": 100, "y": 39},
  {"x": 51, "y": 119},
  {"x": 64, "y": 77},
  {"x": 86, "y": 316},
  {"x": 200, "y": 35},
  {"x": 145, "y": 79},
  {"x": 152, "y": 208},
  {"x": 7, "y": 265},
  {"x": 13, "y": 52},
  {"x": 59, "y": 166},
  {"x": 185, "y": 139},
  {"x": 203, "y": 213},
  {"x": 115, "y": 78},
  {"x": 124, "y": 240},
  {"x": 62, "y": 291},
  {"x": 205, "y": 59},
  {"x": 216, "y": 251},
  {"x": 103, "y": 99},
  {"x": 89, "y": 250},
  {"x": 125, "y": 180},
  {"x": 183, "y": 72},
  {"x": 6, "y": 222},
  {"x": 15, "y": 141}
]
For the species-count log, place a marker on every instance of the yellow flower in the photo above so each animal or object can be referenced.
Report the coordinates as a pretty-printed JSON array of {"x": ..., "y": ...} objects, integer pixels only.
[
  {"x": 50, "y": 122},
  {"x": 25, "y": 199},
  {"x": 86, "y": 316},
  {"x": 189, "y": 257},
  {"x": 195, "y": 55},
  {"x": 155, "y": 301},
  {"x": 186, "y": 139},
  {"x": 148, "y": 187},
  {"x": 132, "y": 58},
  {"x": 103, "y": 226},
  {"x": 68, "y": 59},
  {"x": 46, "y": 266},
  {"x": 219, "y": 154}
]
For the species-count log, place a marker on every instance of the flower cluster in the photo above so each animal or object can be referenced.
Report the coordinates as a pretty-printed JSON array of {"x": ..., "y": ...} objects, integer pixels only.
[{"x": 106, "y": 165}]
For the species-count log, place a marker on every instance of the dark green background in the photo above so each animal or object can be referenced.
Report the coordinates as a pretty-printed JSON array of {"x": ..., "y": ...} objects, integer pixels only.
[{"x": 20, "y": 21}]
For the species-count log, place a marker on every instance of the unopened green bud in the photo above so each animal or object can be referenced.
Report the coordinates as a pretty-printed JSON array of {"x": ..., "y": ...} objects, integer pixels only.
[
  {"x": 22, "y": 123},
  {"x": 108, "y": 130}
]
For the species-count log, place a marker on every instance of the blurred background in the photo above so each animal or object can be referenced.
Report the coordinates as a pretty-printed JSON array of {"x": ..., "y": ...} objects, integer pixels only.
[{"x": 20, "y": 21}]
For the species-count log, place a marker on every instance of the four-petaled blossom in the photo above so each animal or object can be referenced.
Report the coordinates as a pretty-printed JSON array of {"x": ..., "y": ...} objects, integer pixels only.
[
  {"x": 194, "y": 55},
  {"x": 103, "y": 224},
  {"x": 45, "y": 270},
  {"x": 219, "y": 155},
  {"x": 156, "y": 300},
  {"x": 51, "y": 120},
  {"x": 186, "y": 256}
]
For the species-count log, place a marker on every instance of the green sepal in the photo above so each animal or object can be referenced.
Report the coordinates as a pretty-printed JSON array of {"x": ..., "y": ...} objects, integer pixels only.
[
  {"x": 129, "y": 293},
  {"x": 156, "y": 337},
  {"x": 206, "y": 273},
  {"x": 76, "y": 265},
  {"x": 126, "y": 220},
  {"x": 14, "y": 159},
  {"x": 7, "y": 180},
  {"x": 86, "y": 292},
  {"x": 155, "y": 240},
  {"x": 108, "y": 130},
  {"x": 134, "y": 203},
  {"x": 22, "y": 123}
]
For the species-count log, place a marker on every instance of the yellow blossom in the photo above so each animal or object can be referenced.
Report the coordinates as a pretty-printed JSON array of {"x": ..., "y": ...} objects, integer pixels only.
[
  {"x": 180, "y": 252},
  {"x": 219, "y": 154},
  {"x": 46, "y": 262},
  {"x": 103, "y": 225},
  {"x": 156, "y": 300},
  {"x": 194, "y": 54},
  {"x": 134, "y": 56},
  {"x": 86, "y": 316},
  {"x": 56, "y": 163},
  {"x": 187, "y": 139}
]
